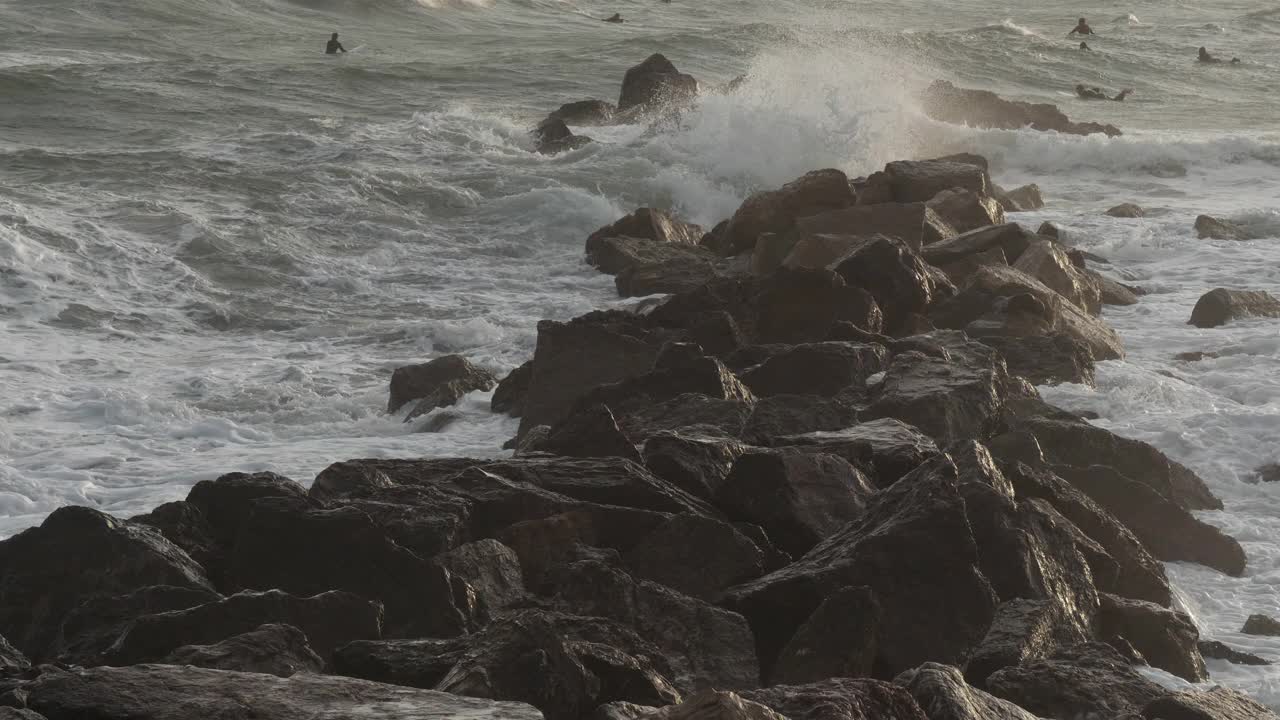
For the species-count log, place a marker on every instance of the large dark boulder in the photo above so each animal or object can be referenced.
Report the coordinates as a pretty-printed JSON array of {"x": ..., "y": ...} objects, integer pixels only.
[
  {"x": 573, "y": 357},
  {"x": 726, "y": 556},
  {"x": 615, "y": 254},
  {"x": 1218, "y": 703},
  {"x": 170, "y": 692},
  {"x": 886, "y": 449},
  {"x": 707, "y": 646},
  {"x": 1091, "y": 680},
  {"x": 779, "y": 416},
  {"x": 1047, "y": 261},
  {"x": 1222, "y": 651},
  {"x": 800, "y": 499},
  {"x": 587, "y": 432},
  {"x": 997, "y": 300},
  {"x": 839, "y": 699},
  {"x": 1168, "y": 530},
  {"x": 840, "y": 639},
  {"x": 1010, "y": 238},
  {"x": 945, "y": 102},
  {"x": 1214, "y": 228},
  {"x": 552, "y": 136},
  {"x": 1167, "y": 639},
  {"x": 655, "y": 83},
  {"x": 99, "y": 621},
  {"x": 205, "y": 525},
  {"x": 913, "y": 547},
  {"x": 490, "y": 568},
  {"x": 824, "y": 368},
  {"x": 1258, "y": 624},
  {"x": 1137, "y": 575},
  {"x": 586, "y": 112},
  {"x": 778, "y": 210},
  {"x": 646, "y": 223},
  {"x": 508, "y": 396},
  {"x": 419, "y": 663},
  {"x": 944, "y": 695},
  {"x": 1045, "y": 359},
  {"x": 914, "y": 223},
  {"x": 280, "y": 650},
  {"x": 329, "y": 620},
  {"x": 12, "y": 661},
  {"x": 793, "y": 305},
  {"x": 965, "y": 210},
  {"x": 1075, "y": 443},
  {"x": 438, "y": 383},
  {"x": 895, "y": 275},
  {"x": 707, "y": 704},
  {"x": 77, "y": 552},
  {"x": 1023, "y": 630},
  {"x": 921, "y": 180},
  {"x": 695, "y": 458},
  {"x": 526, "y": 656},
  {"x": 303, "y": 550},
  {"x": 960, "y": 398},
  {"x": 1220, "y": 306}
]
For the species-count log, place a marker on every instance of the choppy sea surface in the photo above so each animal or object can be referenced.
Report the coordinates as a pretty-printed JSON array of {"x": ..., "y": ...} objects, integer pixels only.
[{"x": 216, "y": 242}]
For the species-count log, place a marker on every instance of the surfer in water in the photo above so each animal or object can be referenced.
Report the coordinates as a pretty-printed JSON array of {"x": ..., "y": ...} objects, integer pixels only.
[
  {"x": 1081, "y": 28},
  {"x": 1084, "y": 45},
  {"x": 615, "y": 18},
  {"x": 1205, "y": 57},
  {"x": 1093, "y": 93},
  {"x": 334, "y": 47}
]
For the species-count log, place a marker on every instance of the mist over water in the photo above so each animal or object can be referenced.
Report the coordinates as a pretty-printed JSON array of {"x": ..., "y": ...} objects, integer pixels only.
[{"x": 216, "y": 242}]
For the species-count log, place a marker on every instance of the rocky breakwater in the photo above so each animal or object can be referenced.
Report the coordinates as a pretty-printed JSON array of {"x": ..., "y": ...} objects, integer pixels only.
[{"x": 816, "y": 482}]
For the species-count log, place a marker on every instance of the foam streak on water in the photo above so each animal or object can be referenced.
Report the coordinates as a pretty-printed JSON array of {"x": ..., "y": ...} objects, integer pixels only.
[{"x": 216, "y": 243}]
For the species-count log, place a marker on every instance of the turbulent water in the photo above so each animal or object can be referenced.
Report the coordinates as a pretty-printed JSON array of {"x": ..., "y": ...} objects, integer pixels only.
[{"x": 216, "y": 242}]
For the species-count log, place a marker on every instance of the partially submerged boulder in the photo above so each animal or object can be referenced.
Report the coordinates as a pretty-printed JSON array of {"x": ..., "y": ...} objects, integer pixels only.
[
  {"x": 1126, "y": 210},
  {"x": 1220, "y": 306},
  {"x": 553, "y": 136},
  {"x": 945, "y": 102},
  {"x": 1218, "y": 703},
  {"x": 438, "y": 383},
  {"x": 655, "y": 84},
  {"x": 1166, "y": 638},
  {"x": 1216, "y": 229},
  {"x": 1047, "y": 262}
]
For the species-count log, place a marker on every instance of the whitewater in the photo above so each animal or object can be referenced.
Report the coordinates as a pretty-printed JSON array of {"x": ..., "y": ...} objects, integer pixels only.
[{"x": 216, "y": 242}]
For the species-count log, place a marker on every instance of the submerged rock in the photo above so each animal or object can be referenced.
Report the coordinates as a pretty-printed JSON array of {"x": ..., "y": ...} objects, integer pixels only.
[
  {"x": 1126, "y": 210},
  {"x": 981, "y": 108},
  {"x": 1220, "y": 306},
  {"x": 438, "y": 383},
  {"x": 1216, "y": 229}
]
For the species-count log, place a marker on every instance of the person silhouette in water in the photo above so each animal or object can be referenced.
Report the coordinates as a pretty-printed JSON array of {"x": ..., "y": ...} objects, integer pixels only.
[
  {"x": 1205, "y": 57},
  {"x": 334, "y": 47},
  {"x": 1084, "y": 45},
  {"x": 1081, "y": 28}
]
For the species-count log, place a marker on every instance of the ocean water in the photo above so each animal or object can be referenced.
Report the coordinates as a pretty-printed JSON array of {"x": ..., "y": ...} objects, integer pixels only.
[{"x": 216, "y": 242}]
